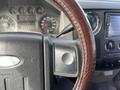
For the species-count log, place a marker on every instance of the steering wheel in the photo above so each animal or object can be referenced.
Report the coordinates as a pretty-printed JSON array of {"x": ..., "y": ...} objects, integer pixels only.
[
  {"x": 77, "y": 17},
  {"x": 29, "y": 56}
]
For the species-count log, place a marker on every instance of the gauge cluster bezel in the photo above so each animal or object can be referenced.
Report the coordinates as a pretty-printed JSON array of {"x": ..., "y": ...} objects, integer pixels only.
[{"x": 98, "y": 21}]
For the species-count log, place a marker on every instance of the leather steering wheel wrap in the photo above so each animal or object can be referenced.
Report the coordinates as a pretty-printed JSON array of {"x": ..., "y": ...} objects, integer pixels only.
[{"x": 86, "y": 38}]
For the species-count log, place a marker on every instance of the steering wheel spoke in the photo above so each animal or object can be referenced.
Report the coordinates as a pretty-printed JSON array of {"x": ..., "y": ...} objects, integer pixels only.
[{"x": 66, "y": 58}]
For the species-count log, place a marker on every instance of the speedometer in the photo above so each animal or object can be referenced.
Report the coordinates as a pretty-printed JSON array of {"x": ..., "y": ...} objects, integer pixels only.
[
  {"x": 7, "y": 24},
  {"x": 48, "y": 24}
]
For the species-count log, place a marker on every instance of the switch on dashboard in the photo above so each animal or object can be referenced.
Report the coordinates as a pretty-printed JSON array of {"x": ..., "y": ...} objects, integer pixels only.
[{"x": 110, "y": 45}]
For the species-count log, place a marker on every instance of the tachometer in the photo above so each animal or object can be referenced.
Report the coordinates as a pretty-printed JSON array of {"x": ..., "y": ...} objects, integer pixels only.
[
  {"x": 7, "y": 24},
  {"x": 48, "y": 24}
]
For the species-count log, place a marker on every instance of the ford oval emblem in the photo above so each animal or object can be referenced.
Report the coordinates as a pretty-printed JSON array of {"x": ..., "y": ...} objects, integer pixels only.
[{"x": 9, "y": 61}]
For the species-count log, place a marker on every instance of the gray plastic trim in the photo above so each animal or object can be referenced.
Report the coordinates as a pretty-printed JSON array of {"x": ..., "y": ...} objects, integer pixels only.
[
  {"x": 48, "y": 63},
  {"x": 99, "y": 4},
  {"x": 20, "y": 35}
]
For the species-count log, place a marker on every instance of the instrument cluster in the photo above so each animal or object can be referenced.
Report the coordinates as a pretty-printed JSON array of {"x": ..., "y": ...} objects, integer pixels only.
[{"x": 36, "y": 18}]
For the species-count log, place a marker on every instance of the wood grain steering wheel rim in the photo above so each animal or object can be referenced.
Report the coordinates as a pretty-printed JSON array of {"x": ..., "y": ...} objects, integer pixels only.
[{"x": 77, "y": 17}]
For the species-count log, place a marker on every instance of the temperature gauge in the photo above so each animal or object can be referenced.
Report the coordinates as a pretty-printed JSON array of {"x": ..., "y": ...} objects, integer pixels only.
[{"x": 48, "y": 24}]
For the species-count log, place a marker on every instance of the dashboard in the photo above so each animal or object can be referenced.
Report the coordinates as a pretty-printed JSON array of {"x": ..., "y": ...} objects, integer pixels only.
[
  {"x": 28, "y": 16},
  {"x": 106, "y": 28},
  {"x": 104, "y": 18}
]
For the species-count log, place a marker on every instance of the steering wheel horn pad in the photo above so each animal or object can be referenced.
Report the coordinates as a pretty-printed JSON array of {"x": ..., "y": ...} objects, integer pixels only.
[{"x": 77, "y": 17}]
